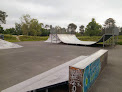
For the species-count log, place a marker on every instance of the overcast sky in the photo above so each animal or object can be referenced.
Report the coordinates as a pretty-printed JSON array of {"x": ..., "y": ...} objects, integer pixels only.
[{"x": 62, "y": 12}]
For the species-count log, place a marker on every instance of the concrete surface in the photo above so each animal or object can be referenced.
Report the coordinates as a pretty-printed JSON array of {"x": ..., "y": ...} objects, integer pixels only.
[
  {"x": 17, "y": 65},
  {"x": 56, "y": 75},
  {"x": 110, "y": 80}
]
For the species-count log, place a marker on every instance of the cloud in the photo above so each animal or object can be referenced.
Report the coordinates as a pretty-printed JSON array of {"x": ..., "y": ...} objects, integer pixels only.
[{"x": 63, "y": 12}]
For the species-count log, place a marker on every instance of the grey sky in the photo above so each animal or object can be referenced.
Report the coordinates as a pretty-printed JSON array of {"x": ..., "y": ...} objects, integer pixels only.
[{"x": 62, "y": 12}]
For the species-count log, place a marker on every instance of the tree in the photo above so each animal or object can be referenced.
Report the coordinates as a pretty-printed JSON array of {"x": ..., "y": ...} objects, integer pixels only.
[
  {"x": 81, "y": 28},
  {"x": 3, "y": 17},
  {"x": 10, "y": 31},
  {"x": 47, "y": 26},
  {"x": 35, "y": 27},
  {"x": 51, "y": 26},
  {"x": 44, "y": 32},
  {"x": 93, "y": 28},
  {"x": 1, "y": 29},
  {"x": 58, "y": 29},
  {"x": 110, "y": 22},
  {"x": 18, "y": 29},
  {"x": 63, "y": 30},
  {"x": 30, "y": 26},
  {"x": 120, "y": 33},
  {"x": 109, "y": 26},
  {"x": 72, "y": 27},
  {"x": 25, "y": 22}
]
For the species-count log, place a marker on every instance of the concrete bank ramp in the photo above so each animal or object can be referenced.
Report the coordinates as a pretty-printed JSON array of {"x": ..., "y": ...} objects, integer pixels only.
[{"x": 7, "y": 45}]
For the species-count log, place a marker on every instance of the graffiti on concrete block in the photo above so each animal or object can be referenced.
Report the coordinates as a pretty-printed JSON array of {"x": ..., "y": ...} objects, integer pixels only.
[
  {"x": 76, "y": 79},
  {"x": 91, "y": 72},
  {"x": 80, "y": 80}
]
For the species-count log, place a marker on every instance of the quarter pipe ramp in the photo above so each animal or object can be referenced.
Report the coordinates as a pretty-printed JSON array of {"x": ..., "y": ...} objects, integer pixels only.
[{"x": 72, "y": 39}]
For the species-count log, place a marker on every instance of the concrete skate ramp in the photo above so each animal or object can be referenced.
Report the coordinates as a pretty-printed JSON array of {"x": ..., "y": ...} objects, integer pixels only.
[
  {"x": 7, "y": 45},
  {"x": 72, "y": 39}
]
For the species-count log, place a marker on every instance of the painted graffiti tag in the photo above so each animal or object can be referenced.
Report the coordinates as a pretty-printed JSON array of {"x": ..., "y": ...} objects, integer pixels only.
[
  {"x": 75, "y": 79},
  {"x": 91, "y": 72}
]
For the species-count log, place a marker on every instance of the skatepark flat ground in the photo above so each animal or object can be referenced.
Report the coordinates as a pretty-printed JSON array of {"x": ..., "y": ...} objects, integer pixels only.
[{"x": 19, "y": 64}]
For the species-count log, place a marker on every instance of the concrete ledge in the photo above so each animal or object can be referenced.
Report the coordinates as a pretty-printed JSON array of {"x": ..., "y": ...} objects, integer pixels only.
[{"x": 84, "y": 73}]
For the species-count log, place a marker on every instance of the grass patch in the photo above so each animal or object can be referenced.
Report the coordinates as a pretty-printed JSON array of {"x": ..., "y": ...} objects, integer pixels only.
[
  {"x": 10, "y": 38},
  {"x": 96, "y": 38},
  {"x": 33, "y": 38},
  {"x": 88, "y": 38},
  {"x": 120, "y": 39}
]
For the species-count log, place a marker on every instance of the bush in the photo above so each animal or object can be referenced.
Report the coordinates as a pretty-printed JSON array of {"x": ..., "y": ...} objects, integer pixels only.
[
  {"x": 78, "y": 34},
  {"x": 45, "y": 32}
]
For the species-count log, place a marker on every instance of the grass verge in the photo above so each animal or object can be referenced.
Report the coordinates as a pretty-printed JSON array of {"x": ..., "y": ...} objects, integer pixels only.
[
  {"x": 12, "y": 38},
  {"x": 96, "y": 38},
  {"x": 33, "y": 38}
]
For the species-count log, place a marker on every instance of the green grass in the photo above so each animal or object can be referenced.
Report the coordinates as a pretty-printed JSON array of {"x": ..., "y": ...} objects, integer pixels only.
[
  {"x": 88, "y": 38},
  {"x": 96, "y": 38},
  {"x": 33, "y": 38},
  {"x": 10, "y": 38},
  {"x": 120, "y": 40}
]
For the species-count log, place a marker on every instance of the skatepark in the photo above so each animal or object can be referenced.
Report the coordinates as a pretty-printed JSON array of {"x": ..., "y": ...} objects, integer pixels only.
[
  {"x": 20, "y": 66},
  {"x": 60, "y": 46},
  {"x": 57, "y": 37},
  {"x": 62, "y": 63}
]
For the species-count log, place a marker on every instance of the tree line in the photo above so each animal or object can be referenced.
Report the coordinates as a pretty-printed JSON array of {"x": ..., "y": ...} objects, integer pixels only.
[
  {"x": 28, "y": 26},
  {"x": 31, "y": 27}
]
